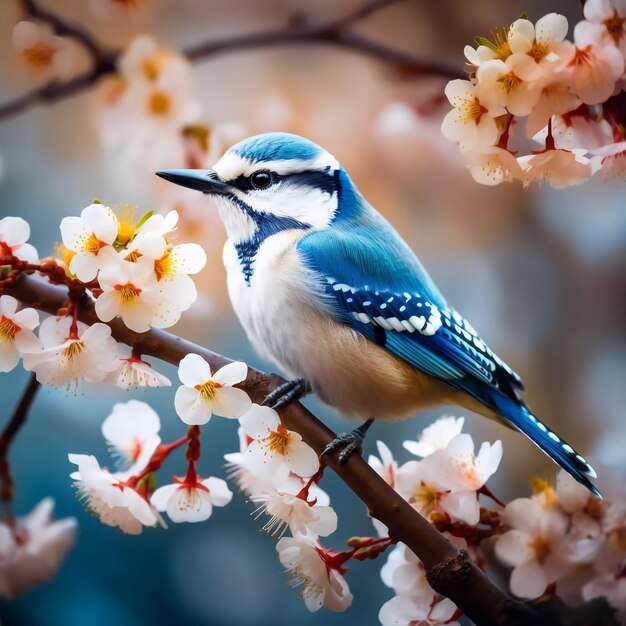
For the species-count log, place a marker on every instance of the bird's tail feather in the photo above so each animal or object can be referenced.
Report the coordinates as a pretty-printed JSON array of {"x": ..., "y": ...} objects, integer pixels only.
[{"x": 549, "y": 442}]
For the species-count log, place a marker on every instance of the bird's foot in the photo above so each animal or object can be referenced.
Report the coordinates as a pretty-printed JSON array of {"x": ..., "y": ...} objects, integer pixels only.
[
  {"x": 349, "y": 443},
  {"x": 286, "y": 393}
]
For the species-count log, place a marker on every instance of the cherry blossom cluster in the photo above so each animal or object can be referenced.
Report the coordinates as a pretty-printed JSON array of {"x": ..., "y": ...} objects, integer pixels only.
[
  {"x": 132, "y": 270},
  {"x": 128, "y": 498},
  {"x": 568, "y": 94},
  {"x": 564, "y": 541},
  {"x": 444, "y": 486}
]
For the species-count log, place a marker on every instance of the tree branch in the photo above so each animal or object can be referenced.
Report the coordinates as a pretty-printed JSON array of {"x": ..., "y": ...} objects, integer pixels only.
[
  {"x": 299, "y": 32},
  {"x": 450, "y": 571},
  {"x": 11, "y": 429}
]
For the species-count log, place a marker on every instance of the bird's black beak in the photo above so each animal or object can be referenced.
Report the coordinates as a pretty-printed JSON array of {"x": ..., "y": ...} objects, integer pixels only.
[{"x": 205, "y": 181}]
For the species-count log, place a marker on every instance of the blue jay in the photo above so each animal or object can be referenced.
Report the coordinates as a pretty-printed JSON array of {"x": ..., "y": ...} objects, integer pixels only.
[{"x": 328, "y": 290}]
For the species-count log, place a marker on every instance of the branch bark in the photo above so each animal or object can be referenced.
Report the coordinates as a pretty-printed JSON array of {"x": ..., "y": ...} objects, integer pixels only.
[
  {"x": 450, "y": 571},
  {"x": 300, "y": 32},
  {"x": 16, "y": 421}
]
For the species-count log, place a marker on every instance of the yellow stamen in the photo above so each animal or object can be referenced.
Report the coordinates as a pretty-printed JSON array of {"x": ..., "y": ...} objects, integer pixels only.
[
  {"x": 277, "y": 440},
  {"x": 501, "y": 43},
  {"x": 473, "y": 110},
  {"x": 8, "y": 329},
  {"x": 540, "y": 546},
  {"x": 425, "y": 497},
  {"x": 71, "y": 351},
  {"x": 159, "y": 103},
  {"x": 509, "y": 82},
  {"x": 128, "y": 293},
  {"x": 208, "y": 389},
  {"x": 92, "y": 244},
  {"x": 126, "y": 224},
  {"x": 538, "y": 50},
  {"x": 165, "y": 265}
]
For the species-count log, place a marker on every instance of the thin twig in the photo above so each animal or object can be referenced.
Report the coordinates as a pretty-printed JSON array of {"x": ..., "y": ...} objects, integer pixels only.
[
  {"x": 65, "y": 28},
  {"x": 300, "y": 32},
  {"x": 17, "y": 420},
  {"x": 451, "y": 572}
]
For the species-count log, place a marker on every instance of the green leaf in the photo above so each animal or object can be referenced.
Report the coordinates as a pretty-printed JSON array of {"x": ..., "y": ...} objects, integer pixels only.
[
  {"x": 143, "y": 219},
  {"x": 483, "y": 41},
  {"x": 96, "y": 201},
  {"x": 523, "y": 15}
]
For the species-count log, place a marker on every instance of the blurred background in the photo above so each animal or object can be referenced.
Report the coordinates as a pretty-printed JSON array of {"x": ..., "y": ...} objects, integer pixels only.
[{"x": 540, "y": 274}]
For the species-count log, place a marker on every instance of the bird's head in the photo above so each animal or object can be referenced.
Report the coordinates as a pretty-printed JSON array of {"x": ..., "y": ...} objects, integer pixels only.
[{"x": 269, "y": 183}]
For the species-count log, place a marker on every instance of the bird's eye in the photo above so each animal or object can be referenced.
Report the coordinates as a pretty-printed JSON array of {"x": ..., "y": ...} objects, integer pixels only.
[{"x": 261, "y": 179}]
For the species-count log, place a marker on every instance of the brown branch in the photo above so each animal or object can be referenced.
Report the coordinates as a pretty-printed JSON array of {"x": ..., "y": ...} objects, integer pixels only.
[
  {"x": 14, "y": 424},
  {"x": 300, "y": 32},
  {"x": 450, "y": 571},
  {"x": 98, "y": 52}
]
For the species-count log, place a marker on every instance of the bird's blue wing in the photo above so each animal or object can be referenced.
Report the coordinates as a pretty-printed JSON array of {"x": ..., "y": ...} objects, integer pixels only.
[
  {"x": 376, "y": 285},
  {"x": 371, "y": 281}
]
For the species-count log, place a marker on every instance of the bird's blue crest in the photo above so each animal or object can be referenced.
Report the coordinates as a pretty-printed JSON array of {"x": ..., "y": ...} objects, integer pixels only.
[{"x": 276, "y": 147}]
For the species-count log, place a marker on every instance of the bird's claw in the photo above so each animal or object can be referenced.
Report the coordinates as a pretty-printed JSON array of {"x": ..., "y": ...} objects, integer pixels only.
[
  {"x": 288, "y": 392},
  {"x": 349, "y": 443}
]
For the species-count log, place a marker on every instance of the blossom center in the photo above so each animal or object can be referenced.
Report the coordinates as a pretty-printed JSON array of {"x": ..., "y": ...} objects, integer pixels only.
[
  {"x": 73, "y": 350},
  {"x": 616, "y": 25},
  {"x": 300, "y": 579},
  {"x": 159, "y": 103},
  {"x": 509, "y": 82},
  {"x": 126, "y": 225},
  {"x": 277, "y": 440},
  {"x": 501, "y": 43},
  {"x": 92, "y": 244},
  {"x": 538, "y": 50},
  {"x": 582, "y": 56},
  {"x": 39, "y": 55},
  {"x": 208, "y": 389},
  {"x": 128, "y": 293},
  {"x": 473, "y": 111},
  {"x": 541, "y": 547},
  {"x": 426, "y": 497},
  {"x": 164, "y": 265},
  {"x": 8, "y": 329}
]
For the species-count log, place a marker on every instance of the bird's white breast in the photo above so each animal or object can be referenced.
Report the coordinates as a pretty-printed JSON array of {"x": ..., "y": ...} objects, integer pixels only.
[{"x": 286, "y": 321}]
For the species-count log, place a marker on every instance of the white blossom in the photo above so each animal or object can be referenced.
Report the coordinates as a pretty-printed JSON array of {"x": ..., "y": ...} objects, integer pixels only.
[
  {"x": 513, "y": 83},
  {"x": 410, "y": 610},
  {"x": 33, "y": 548},
  {"x": 541, "y": 42},
  {"x": 108, "y": 497},
  {"x": 291, "y": 511},
  {"x": 90, "y": 237},
  {"x": 610, "y": 15},
  {"x": 191, "y": 500},
  {"x": 436, "y": 437},
  {"x": 275, "y": 450},
  {"x": 204, "y": 393},
  {"x": 133, "y": 371},
  {"x": 447, "y": 480},
  {"x": 16, "y": 332},
  {"x": 14, "y": 233},
  {"x": 131, "y": 430},
  {"x": 536, "y": 546},
  {"x": 493, "y": 165},
  {"x": 312, "y": 568},
  {"x": 37, "y": 44},
  {"x": 65, "y": 359},
  {"x": 560, "y": 168},
  {"x": 592, "y": 66},
  {"x": 471, "y": 122},
  {"x": 129, "y": 291}
]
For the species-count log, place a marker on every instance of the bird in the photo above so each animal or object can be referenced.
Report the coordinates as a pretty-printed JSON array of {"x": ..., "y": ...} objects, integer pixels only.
[{"x": 329, "y": 291}]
